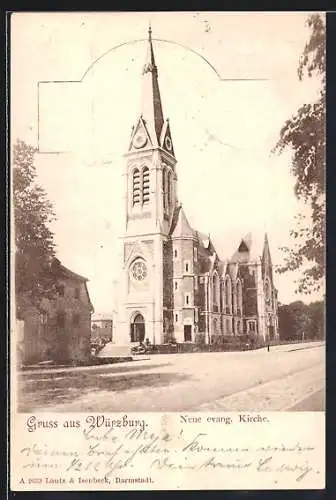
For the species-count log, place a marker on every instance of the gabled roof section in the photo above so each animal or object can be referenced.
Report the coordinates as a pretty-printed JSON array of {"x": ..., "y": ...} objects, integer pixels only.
[
  {"x": 243, "y": 247},
  {"x": 203, "y": 239},
  {"x": 166, "y": 140},
  {"x": 140, "y": 137},
  {"x": 243, "y": 252}
]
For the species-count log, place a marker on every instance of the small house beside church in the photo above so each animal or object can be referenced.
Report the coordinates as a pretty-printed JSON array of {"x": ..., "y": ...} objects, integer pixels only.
[{"x": 59, "y": 329}]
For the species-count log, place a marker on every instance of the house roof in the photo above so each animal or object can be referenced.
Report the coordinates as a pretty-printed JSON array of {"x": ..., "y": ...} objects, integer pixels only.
[{"x": 61, "y": 271}]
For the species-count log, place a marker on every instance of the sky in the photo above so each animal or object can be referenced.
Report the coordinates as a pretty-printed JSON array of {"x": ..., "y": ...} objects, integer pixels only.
[{"x": 228, "y": 83}]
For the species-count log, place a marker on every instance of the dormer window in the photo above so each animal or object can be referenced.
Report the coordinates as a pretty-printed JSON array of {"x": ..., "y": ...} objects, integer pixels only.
[{"x": 61, "y": 290}]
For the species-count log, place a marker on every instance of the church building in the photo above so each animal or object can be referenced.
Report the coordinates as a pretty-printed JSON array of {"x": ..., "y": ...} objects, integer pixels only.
[{"x": 174, "y": 284}]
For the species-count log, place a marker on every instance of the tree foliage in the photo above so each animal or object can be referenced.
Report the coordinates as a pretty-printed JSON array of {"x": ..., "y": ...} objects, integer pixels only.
[
  {"x": 34, "y": 244},
  {"x": 298, "y": 320},
  {"x": 304, "y": 133}
]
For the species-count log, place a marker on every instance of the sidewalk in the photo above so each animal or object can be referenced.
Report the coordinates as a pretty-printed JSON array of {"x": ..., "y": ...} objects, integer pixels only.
[{"x": 106, "y": 365}]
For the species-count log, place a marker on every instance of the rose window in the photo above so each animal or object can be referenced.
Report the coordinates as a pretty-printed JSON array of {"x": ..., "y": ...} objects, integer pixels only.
[{"x": 139, "y": 271}]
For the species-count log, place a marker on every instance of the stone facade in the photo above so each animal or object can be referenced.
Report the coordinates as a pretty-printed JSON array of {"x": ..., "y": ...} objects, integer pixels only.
[
  {"x": 174, "y": 284},
  {"x": 59, "y": 330}
]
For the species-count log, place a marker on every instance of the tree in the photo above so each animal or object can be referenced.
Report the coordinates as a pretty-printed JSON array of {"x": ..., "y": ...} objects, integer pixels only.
[
  {"x": 317, "y": 315},
  {"x": 304, "y": 134},
  {"x": 293, "y": 321},
  {"x": 34, "y": 244},
  {"x": 297, "y": 317}
]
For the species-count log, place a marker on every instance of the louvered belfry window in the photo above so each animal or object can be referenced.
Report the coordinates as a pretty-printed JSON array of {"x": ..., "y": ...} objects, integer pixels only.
[
  {"x": 145, "y": 185},
  {"x": 136, "y": 187}
]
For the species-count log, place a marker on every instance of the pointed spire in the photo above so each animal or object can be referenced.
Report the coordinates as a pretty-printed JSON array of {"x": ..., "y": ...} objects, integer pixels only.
[
  {"x": 266, "y": 239},
  {"x": 266, "y": 254},
  {"x": 150, "y": 61},
  {"x": 266, "y": 245},
  {"x": 151, "y": 101}
]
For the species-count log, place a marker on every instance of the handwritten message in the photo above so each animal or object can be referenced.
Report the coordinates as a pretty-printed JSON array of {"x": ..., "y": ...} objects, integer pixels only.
[{"x": 165, "y": 450}]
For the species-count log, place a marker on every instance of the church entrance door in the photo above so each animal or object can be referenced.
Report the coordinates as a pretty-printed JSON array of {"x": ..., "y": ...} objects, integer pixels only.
[
  {"x": 138, "y": 329},
  {"x": 187, "y": 333}
]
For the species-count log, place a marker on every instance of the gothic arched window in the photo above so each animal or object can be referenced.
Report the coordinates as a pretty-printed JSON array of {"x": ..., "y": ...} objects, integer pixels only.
[
  {"x": 145, "y": 185},
  {"x": 169, "y": 182},
  {"x": 136, "y": 187},
  {"x": 215, "y": 292},
  {"x": 228, "y": 295},
  {"x": 164, "y": 190},
  {"x": 239, "y": 297}
]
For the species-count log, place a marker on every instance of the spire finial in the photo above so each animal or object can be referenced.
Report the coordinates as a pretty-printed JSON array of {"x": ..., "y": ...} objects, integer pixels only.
[{"x": 149, "y": 32}]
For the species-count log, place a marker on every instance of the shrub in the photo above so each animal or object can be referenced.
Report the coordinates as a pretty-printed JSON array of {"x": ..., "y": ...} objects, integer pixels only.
[{"x": 200, "y": 338}]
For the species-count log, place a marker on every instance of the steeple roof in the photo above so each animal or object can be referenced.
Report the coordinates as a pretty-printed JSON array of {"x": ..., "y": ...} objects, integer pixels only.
[
  {"x": 182, "y": 228},
  {"x": 151, "y": 100}
]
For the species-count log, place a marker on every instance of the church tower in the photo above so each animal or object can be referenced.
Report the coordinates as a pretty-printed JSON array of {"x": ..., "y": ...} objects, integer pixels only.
[{"x": 150, "y": 184}]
